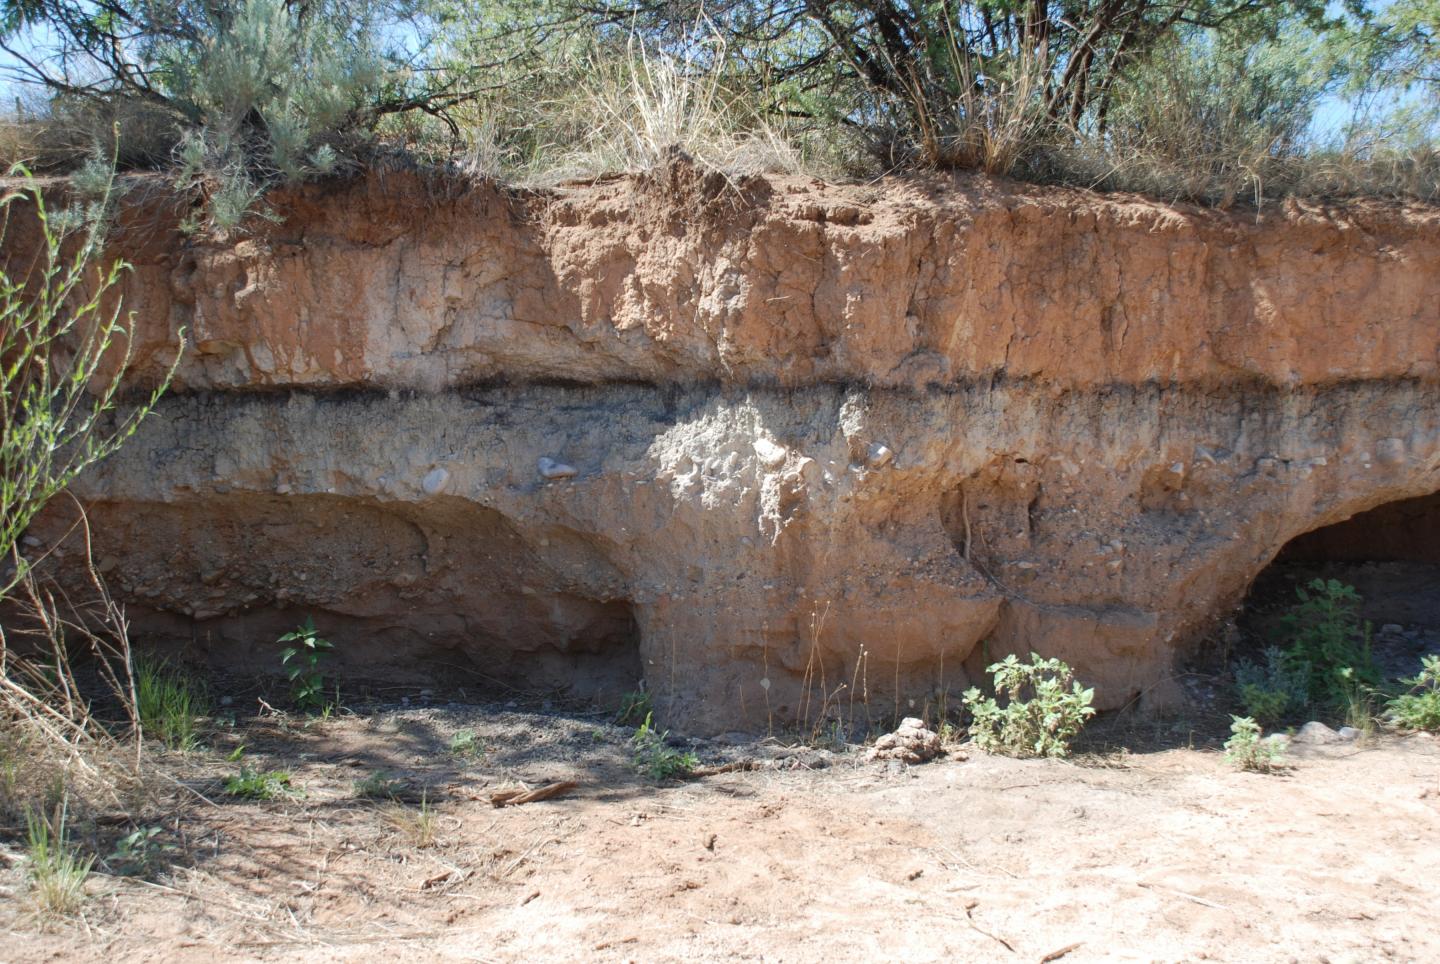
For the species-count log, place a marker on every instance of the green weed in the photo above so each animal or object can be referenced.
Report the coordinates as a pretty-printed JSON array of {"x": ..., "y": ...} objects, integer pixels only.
[
  {"x": 466, "y": 744},
  {"x": 1247, "y": 750},
  {"x": 252, "y": 784},
  {"x": 140, "y": 853},
  {"x": 381, "y": 786},
  {"x": 1044, "y": 708},
  {"x": 655, "y": 757},
  {"x": 302, "y": 665},
  {"x": 1419, "y": 707}
]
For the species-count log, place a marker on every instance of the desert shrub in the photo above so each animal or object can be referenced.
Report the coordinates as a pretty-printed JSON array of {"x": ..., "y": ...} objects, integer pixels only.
[
  {"x": 1325, "y": 633},
  {"x": 242, "y": 95},
  {"x": 1419, "y": 707},
  {"x": 1271, "y": 691},
  {"x": 1247, "y": 749},
  {"x": 1043, "y": 709},
  {"x": 655, "y": 757}
]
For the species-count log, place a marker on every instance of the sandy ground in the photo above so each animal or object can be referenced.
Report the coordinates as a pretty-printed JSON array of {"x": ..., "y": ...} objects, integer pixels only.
[{"x": 1168, "y": 855}]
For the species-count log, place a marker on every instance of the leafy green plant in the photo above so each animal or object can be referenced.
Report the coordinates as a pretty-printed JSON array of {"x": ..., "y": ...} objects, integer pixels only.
[
  {"x": 140, "y": 853},
  {"x": 1419, "y": 707},
  {"x": 168, "y": 702},
  {"x": 1044, "y": 708},
  {"x": 1247, "y": 750},
  {"x": 57, "y": 871},
  {"x": 466, "y": 743},
  {"x": 381, "y": 785},
  {"x": 1271, "y": 691},
  {"x": 1326, "y": 634},
  {"x": 635, "y": 707},
  {"x": 302, "y": 665},
  {"x": 252, "y": 784},
  {"x": 657, "y": 758}
]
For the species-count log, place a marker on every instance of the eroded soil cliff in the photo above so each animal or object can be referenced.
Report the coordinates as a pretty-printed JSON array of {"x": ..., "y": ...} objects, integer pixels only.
[{"x": 771, "y": 446}]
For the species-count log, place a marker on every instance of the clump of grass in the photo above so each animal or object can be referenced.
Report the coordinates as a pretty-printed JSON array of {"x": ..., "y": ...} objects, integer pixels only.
[
  {"x": 56, "y": 869},
  {"x": 655, "y": 757},
  {"x": 633, "y": 111},
  {"x": 1247, "y": 750},
  {"x": 419, "y": 824},
  {"x": 252, "y": 784},
  {"x": 1044, "y": 708},
  {"x": 168, "y": 703}
]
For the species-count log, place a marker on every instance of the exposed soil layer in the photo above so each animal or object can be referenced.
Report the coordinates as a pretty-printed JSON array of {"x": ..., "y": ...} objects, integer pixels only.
[
  {"x": 763, "y": 443},
  {"x": 1163, "y": 855}
]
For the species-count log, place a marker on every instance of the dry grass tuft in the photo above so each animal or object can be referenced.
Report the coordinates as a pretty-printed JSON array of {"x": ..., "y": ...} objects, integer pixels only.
[{"x": 417, "y": 824}]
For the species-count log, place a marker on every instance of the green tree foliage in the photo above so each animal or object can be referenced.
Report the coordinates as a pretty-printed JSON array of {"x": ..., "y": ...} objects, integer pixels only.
[
  {"x": 255, "y": 91},
  {"x": 1210, "y": 99}
]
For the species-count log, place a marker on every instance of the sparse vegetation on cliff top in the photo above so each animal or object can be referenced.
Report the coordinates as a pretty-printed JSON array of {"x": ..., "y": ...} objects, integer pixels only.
[{"x": 1213, "y": 100}]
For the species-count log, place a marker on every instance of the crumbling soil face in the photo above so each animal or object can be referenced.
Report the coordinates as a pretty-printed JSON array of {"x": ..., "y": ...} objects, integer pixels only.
[
  {"x": 763, "y": 443},
  {"x": 1169, "y": 855}
]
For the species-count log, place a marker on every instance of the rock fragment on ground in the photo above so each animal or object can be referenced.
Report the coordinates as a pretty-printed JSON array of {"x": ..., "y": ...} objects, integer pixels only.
[
  {"x": 912, "y": 742},
  {"x": 1317, "y": 734}
]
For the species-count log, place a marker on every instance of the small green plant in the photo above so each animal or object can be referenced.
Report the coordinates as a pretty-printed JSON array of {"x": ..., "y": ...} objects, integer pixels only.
[
  {"x": 1419, "y": 707},
  {"x": 1272, "y": 691},
  {"x": 140, "y": 853},
  {"x": 634, "y": 708},
  {"x": 252, "y": 784},
  {"x": 381, "y": 786},
  {"x": 1327, "y": 635},
  {"x": 302, "y": 665},
  {"x": 657, "y": 758},
  {"x": 168, "y": 702},
  {"x": 1247, "y": 750},
  {"x": 57, "y": 871},
  {"x": 466, "y": 743},
  {"x": 1045, "y": 708}
]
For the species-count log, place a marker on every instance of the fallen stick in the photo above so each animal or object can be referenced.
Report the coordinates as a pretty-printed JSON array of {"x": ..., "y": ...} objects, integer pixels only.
[
  {"x": 513, "y": 798},
  {"x": 1180, "y": 893},
  {"x": 970, "y": 919},
  {"x": 1056, "y": 955}
]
